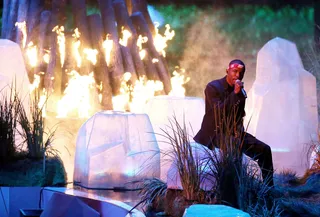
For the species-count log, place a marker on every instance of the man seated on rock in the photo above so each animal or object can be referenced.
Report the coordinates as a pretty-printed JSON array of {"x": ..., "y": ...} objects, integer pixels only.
[{"x": 227, "y": 93}]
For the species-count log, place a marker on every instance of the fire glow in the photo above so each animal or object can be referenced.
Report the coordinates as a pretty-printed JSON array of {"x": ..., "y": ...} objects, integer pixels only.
[
  {"x": 160, "y": 41},
  {"x": 107, "y": 45},
  {"x": 77, "y": 97},
  {"x": 23, "y": 28},
  {"x": 61, "y": 42}
]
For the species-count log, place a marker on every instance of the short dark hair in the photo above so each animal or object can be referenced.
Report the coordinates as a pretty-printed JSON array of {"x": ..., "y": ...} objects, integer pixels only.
[{"x": 238, "y": 62}]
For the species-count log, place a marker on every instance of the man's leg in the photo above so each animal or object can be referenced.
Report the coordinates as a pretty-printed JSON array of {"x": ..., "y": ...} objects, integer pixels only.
[{"x": 260, "y": 151}]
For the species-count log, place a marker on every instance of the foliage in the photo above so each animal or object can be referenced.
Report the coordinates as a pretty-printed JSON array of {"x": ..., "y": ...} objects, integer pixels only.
[
  {"x": 258, "y": 24},
  {"x": 189, "y": 167},
  {"x": 299, "y": 196},
  {"x": 152, "y": 191},
  {"x": 33, "y": 131},
  {"x": 20, "y": 167},
  {"x": 8, "y": 124},
  {"x": 244, "y": 23},
  {"x": 235, "y": 182},
  {"x": 28, "y": 172}
]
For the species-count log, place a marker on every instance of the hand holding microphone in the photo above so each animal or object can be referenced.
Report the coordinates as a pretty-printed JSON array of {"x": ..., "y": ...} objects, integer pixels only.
[{"x": 238, "y": 86}]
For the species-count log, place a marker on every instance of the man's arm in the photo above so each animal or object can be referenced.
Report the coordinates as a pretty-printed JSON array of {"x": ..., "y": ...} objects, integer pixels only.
[{"x": 214, "y": 97}]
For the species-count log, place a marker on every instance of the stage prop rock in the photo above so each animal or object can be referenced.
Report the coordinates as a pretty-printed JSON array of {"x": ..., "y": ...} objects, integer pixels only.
[
  {"x": 162, "y": 109},
  {"x": 115, "y": 148},
  {"x": 13, "y": 74},
  {"x": 201, "y": 154},
  {"x": 213, "y": 210},
  {"x": 282, "y": 105},
  {"x": 69, "y": 206},
  {"x": 14, "y": 77}
]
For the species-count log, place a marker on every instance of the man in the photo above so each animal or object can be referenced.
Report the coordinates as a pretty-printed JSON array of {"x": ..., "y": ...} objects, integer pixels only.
[{"x": 228, "y": 94}]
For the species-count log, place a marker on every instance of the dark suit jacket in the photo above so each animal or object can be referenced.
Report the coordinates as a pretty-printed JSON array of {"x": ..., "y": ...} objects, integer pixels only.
[{"x": 218, "y": 96}]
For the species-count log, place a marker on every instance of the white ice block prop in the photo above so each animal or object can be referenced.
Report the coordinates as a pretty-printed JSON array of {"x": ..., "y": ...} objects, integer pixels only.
[
  {"x": 115, "y": 148},
  {"x": 213, "y": 210},
  {"x": 201, "y": 155},
  {"x": 282, "y": 105},
  {"x": 13, "y": 72},
  {"x": 161, "y": 109},
  {"x": 14, "y": 77}
]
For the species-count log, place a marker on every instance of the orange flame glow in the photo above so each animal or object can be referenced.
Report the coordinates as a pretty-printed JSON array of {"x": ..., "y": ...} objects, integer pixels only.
[
  {"x": 91, "y": 55},
  {"x": 107, "y": 45},
  {"x": 22, "y": 26},
  {"x": 42, "y": 102},
  {"x": 177, "y": 82},
  {"x": 61, "y": 42},
  {"x": 32, "y": 54},
  {"x": 160, "y": 41},
  {"x": 140, "y": 41},
  {"x": 46, "y": 57},
  {"x": 134, "y": 97},
  {"x": 76, "y": 99},
  {"x": 35, "y": 83},
  {"x": 76, "y": 46},
  {"x": 126, "y": 34}
]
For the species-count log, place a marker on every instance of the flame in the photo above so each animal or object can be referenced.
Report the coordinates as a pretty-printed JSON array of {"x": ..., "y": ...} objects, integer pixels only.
[
  {"x": 134, "y": 97},
  {"x": 142, "y": 54},
  {"x": 91, "y": 55},
  {"x": 46, "y": 58},
  {"x": 99, "y": 87},
  {"x": 108, "y": 45},
  {"x": 140, "y": 41},
  {"x": 42, "y": 102},
  {"x": 100, "y": 97},
  {"x": 143, "y": 91},
  {"x": 177, "y": 82},
  {"x": 76, "y": 96},
  {"x": 126, "y": 34},
  {"x": 35, "y": 83},
  {"x": 76, "y": 46},
  {"x": 155, "y": 60},
  {"x": 22, "y": 26},
  {"x": 121, "y": 101},
  {"x": 160, "y": 41},
  {"x": 32, "y": 54},
  {"x": 61, "y": 42}
]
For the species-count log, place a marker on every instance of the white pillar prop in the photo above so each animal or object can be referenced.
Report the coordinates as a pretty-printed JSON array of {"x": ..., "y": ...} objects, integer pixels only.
[
  {"x": 114, "y": 149},
  {"x": 13, "y": 76},
  {"x": 161, "y": 109},
  {"x": 282, "y": 105}
]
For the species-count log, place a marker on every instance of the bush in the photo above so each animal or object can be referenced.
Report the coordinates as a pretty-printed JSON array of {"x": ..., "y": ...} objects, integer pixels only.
[
  {"x": 8, "y": 125},
  {"x": 34, "y": 132}
]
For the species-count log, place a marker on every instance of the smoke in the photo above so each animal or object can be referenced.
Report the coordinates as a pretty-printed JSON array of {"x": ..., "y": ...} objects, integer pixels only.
[
  {"x": 207, "y": 53},
  {"x": 64, "y": 140}
]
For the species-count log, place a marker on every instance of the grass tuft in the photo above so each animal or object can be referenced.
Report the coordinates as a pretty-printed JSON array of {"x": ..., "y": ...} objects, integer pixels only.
[
  {"x": 8, "y": 124},
  {"x": 33, "y": 131}
]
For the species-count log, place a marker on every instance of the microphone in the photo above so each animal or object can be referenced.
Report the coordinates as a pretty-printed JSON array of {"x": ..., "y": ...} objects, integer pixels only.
[{"x": 244, "y": 93}]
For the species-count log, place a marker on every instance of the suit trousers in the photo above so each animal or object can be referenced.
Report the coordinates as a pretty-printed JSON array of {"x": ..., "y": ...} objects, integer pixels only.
[
  {"x": 261, "y": 152},
  {"x": 257, "y": 150}
]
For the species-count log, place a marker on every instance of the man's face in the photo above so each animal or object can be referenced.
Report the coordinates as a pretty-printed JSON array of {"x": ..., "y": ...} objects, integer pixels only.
[{"x": 234, "y": 74}]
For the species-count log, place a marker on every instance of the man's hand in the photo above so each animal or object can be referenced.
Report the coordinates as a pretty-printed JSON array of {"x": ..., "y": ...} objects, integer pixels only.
[{"x": 237, "y": 86}]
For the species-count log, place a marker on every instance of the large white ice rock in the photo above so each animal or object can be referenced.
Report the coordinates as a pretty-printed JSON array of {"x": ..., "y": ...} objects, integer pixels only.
[
  {"x": 213, "y": 211},
  {"x": 201, "y": 154},
  {"x": 162, "y": 109},
  {"x": 13, "y": 74},
  {"x": 282, "y": 105},
  {"x": 115, "y": 148}
]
